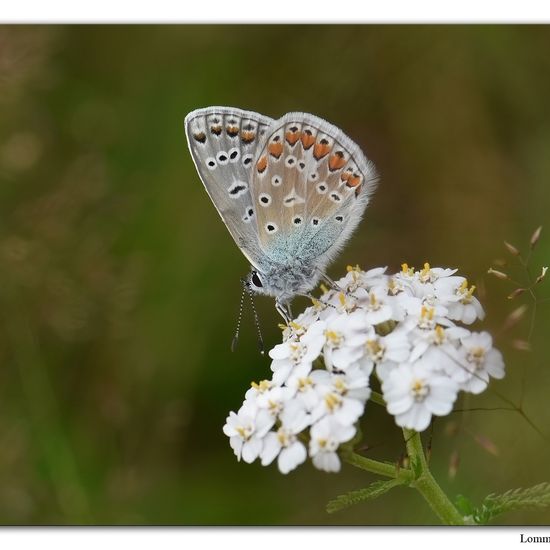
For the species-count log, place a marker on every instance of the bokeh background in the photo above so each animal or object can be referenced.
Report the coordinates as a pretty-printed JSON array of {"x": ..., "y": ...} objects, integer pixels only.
[{"x": 119, "y": 284}]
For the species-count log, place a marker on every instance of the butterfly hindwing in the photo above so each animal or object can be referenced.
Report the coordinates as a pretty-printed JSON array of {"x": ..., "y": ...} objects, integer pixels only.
[
  {"x": 223, "y": 142},
  {"x": 310, "y": 185}
]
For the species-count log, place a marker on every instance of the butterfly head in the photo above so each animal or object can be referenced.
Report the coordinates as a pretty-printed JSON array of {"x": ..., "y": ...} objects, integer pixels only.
[{"x": 284, "y": 281}]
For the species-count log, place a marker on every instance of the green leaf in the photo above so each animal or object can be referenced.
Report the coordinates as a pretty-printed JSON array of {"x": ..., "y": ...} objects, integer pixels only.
[
  {"x": 464, "y": 505},
  {"x": 374, "y": 490},
  {"x": 537, "y": 496}
]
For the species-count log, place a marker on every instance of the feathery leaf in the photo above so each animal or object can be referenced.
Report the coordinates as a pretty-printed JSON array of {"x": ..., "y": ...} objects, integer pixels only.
[{"x": 371, "y": 492}]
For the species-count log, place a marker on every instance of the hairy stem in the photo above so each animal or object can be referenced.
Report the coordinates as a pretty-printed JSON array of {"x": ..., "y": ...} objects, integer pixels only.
[
  {"x": 426, "y": 483},
  {"x": 381, "y": 468}
]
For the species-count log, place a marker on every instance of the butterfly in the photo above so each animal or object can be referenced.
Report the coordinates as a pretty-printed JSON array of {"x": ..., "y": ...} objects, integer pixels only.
[{"x": 290, "y": 191}]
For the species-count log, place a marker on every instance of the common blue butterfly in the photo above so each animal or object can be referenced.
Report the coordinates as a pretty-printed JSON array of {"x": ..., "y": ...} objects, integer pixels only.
[{"x": 291, "y": 191}]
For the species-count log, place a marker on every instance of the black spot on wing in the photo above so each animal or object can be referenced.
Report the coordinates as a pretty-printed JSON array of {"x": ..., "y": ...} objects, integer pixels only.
[{"x": 237, "y": 189}]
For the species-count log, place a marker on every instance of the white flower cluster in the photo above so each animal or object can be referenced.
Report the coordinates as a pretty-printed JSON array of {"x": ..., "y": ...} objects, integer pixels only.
[{"x": 401, "y": 328}]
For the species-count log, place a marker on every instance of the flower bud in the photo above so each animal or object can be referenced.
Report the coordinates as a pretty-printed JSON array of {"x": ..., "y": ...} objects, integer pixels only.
[
  {"x": 516, "y": 293},
  {"x": 535, "y": 236},
  {"x": 521, "y": 345},
  {"x": 511, "y": 248},
  {"x": 515, "y": 316},
  {"x": 498, "y": 274},
  {"x": 542, "y": 275}
]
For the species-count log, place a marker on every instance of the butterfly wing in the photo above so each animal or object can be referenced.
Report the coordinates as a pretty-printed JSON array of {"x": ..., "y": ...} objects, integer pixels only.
[
  {"x": 310, "y": 186},
  {"x": 223, "y": 142}
]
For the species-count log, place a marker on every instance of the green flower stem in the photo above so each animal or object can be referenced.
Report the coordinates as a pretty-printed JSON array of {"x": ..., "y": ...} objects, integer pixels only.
[
  {"x": 385, "y": 469},
  {"x": 417, "y": 476},
  {"x": 426, "y": 484}
]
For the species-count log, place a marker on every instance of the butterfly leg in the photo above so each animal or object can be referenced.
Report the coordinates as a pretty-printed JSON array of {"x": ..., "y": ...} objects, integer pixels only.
[
  {"x": 337, "y": 288},
  {"x": 333, "y": 284},
  {"x": 284, "y": 310},
  {"x": 289, "y": 311}
]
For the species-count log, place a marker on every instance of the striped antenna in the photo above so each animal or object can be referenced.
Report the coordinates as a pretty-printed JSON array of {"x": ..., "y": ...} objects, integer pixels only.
[
  {"x": 256, "y": 319},
  {"x": 239, "y": 317}
]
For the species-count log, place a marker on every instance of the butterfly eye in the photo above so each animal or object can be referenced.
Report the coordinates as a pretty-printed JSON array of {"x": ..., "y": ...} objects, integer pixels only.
[{"x": 256, "y": 280}]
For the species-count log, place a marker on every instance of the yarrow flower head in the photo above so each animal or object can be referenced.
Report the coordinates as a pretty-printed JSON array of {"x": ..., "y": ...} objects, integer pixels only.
[{"x": 409, "y": 330}]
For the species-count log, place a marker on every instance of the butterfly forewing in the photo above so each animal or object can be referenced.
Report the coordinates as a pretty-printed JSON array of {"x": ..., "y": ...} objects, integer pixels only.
[
  {"x": 223, "y": 142},
  {"x": 310, "y": 185}
]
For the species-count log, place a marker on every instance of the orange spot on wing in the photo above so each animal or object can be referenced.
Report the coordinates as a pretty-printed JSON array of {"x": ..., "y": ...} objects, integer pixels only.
[
  {"x": 321, "y": 150},
  {"x": 232, "y": 131},
  {"x": 247, "y": 136},
  {"x": 353, "y": 180},
  {"x": 292, "y": 137},
  {"x": 262, "y": 164},
  {"x": 307, "y": 139},
  {"x": 217, "y": 130},
  {"x": 336, "y": 161},
  {"x": 275, "y": 149},
  {"x": 345, "y": 175}
]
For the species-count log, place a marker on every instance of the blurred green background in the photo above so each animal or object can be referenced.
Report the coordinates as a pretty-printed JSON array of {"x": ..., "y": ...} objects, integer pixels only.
[{"x": 119, "y": 284}]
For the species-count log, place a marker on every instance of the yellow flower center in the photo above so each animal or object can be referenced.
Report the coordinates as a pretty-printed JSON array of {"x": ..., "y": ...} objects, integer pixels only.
[
  {"x": 419, "y": 390},
  {"x": 332, "y": 401},
  {"x": 394, "y": 287},
  {"x": 297, "y": 352},
  {"x": 340, "y": 386},
  {"x": 477, "y": 356},
  {"x": 375, "y": 350},
  {"x": 426, "y": 317},
  {"x": 374, "y": 304},
  {"x": 283, "y": 437},
  {"x": 426, "y": 274},
  {"x": 244, "y": 432},
  {"x": 334, "y": 338},
  {"x": 318, "y": 305},
  {"x": 406, "y": 270},
  {"x": 274, "y": 407},
  {"x": 304, "y": 383},
  {"x": 439, "y": 336},
  {"x": 346, "y": 304},
  {"x": 262, "y": 386},
  {"x": 465, "y": 293}
]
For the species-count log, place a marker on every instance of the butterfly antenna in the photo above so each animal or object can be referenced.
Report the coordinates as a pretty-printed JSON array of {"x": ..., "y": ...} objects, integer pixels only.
[
  {"x": 313, "y": 299},
  {"x": 239, "y": 317},
  {"x": 333, "y": 284},
  {"x": 256, "y": 319},
  {"x": 336, "y": 287}
]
